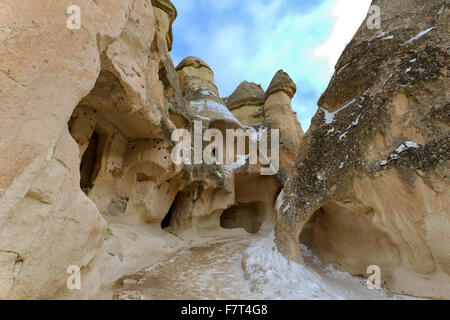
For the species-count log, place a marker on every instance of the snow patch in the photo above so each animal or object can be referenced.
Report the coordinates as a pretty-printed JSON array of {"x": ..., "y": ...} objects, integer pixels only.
[
  {"x": 208, "y": 109},
  {"x": 272, "y": 276},
  {"x": 343, "y": 162},
  {"x": 381, "y": 35},
  {"x": 208, "y": 93},
  {"x": 404, "y": 146},
  {"x": 418, "y": 36},
  {"x": 340, "y": 70},
  {"x": 329, "y": 116}
]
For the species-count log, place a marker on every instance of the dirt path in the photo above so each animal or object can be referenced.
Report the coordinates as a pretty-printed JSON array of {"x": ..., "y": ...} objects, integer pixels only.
[{"x": 214, "y": 271}]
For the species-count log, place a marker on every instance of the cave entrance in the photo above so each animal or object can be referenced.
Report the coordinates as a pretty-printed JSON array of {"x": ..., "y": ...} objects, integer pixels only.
[
  {"x": 345, "y": 234},
  {"x": 249, "y": 216},
  {"x": 91, "y": 162},
  {"x": 166, "y": 222}
]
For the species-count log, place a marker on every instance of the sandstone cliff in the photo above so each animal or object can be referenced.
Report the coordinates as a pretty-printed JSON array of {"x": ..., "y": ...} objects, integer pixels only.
[
  {"x": 371, "y": 184},
  {"x": 86, "y": 122}
]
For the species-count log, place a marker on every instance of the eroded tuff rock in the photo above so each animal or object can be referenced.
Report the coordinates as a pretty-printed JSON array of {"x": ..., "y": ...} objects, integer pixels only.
[
  {"x": 246, "y": 94},
  {"x": 85, "y": 138},
  {"x": 371, "y": 184},
  {"x": 218, "y": 195},
  {"x": 271, "y": 110},
  {"x": 278, "y": 114},
  {"x": 247, "y": 104},
  {"x": 103, "y": 97},
  {"x": 282, "y": 82}
]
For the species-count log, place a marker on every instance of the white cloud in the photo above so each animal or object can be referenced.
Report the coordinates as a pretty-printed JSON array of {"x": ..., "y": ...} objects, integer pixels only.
[
  {"x": 349, "y": 15},
  {"x": 251, "y": 40}
]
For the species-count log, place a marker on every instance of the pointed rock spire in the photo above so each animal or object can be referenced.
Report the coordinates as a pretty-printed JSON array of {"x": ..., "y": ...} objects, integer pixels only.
[{"x": 169, "y": 8}]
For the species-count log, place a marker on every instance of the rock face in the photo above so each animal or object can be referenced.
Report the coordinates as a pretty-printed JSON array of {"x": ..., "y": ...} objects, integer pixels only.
[
  {"x": 86, "y": 121},
  {"x": 371, "y": 184}
]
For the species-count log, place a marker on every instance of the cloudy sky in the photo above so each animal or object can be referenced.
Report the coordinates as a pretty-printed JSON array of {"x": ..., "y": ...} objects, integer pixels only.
[{"x": 252, "y": 39}]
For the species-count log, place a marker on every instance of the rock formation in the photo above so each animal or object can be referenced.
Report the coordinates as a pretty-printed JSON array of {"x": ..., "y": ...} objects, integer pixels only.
[
  {"x": 272, "y": 110},
  {"x": 86, "y": 127},
  {"x": 87, "y": 118},
  {"x": 371, "y": 184},
  {"x": 85, "y": 139}
]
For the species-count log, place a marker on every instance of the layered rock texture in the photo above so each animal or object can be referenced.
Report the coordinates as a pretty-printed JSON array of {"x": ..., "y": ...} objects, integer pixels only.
[{"x": 371, "y": 184}]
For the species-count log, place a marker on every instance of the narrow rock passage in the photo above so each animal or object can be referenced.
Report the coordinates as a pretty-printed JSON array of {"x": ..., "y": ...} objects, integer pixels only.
[
  {"x": 211, "y": 271},
  {"x": 215, "y": 271}
]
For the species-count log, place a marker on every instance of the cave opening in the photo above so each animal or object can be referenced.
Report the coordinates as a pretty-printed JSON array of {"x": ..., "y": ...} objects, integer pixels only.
[
  {"x": 249, "y": 216},
  {"x": 166, "y": 222},
  {"x": 90, "y": 163},
  {"x": 345, "y": 235}
]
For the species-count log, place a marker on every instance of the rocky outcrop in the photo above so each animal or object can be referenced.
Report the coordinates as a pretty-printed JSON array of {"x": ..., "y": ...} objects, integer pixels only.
[
  {"x": 281, "y": 82},
  {"x": 86, "y": 125},
  {"x": 217, "y": 196},
  {"x": 246, "y": 94},
  {"x": 371, "y": 185},
  {"x": 246, "y": 103},
  {"x": 271, "y": 110},
  {"x": 278, "y": 114},
  {"x": 103, "y": 97},
  {"x": 87, "y": 178}
]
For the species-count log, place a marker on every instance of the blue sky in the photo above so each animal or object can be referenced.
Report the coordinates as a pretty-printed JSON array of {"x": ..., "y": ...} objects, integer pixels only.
[{"x": 252, "y": 39}]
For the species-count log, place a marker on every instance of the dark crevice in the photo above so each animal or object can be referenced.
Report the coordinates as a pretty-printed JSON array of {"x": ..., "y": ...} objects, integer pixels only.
[
  {"x": 90, "y": 163},
  {"x": 166, "y": 222}
]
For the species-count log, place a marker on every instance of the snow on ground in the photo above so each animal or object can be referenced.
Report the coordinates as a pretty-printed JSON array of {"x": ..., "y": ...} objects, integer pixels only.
[
  {"x": 215, "y": 271},
  {"x": 272, "y": 276}
]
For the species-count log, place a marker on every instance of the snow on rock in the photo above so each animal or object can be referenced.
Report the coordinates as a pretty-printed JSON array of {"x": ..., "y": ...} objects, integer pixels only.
[
  {"x": 272, "y": 276},
  {"x": 329, "y": 116},
  {"x": 340, "y": 70},
  {"x": 407, "y": 145},
  {"x": 404, "y": 146},
  {"x": 280, "y": 200},
  {"x": 209, "y": 109},
  {"x": 381, "y": 34},
  {"x": 343, "y": 162},
  {"x": 421, "y": 34},
  {"x": 208, "y": 93}
]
